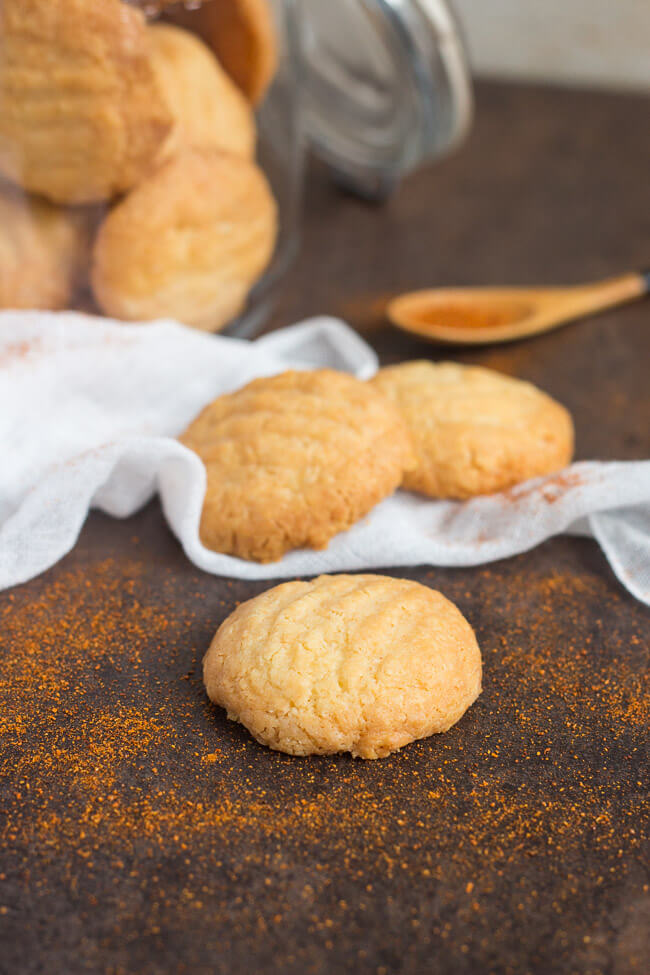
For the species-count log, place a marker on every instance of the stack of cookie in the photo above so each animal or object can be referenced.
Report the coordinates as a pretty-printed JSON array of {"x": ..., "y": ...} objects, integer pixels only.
[
  {"x": 362, "y": 664},
  {"x": 127, "y": 158},
  {"x": 295, "y": 459}
]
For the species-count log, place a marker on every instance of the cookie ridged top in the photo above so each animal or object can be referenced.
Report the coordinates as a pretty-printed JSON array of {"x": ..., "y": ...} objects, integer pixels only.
[
  {"x": 294, "y": 459},
  {"x": 363, "y": 664},
  {"x": 475, "y": 431},
  {"x": 82, "y": 118}
]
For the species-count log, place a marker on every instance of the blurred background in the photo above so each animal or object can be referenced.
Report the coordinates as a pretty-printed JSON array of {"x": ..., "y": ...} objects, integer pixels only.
[{"x": 578, "y": 42}]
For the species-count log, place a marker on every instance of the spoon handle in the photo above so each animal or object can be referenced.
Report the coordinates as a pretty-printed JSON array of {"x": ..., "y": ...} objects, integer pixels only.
[{"x": 584, "y": 299}]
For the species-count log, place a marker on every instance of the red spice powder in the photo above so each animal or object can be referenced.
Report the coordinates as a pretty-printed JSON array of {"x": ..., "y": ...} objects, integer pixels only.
[
  {"x": 19, "y": 350},
  {"x": 115, "y": 762}
]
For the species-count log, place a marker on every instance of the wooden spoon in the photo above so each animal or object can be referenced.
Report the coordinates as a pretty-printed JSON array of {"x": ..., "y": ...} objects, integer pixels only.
[{"x": 471, "y": 316}]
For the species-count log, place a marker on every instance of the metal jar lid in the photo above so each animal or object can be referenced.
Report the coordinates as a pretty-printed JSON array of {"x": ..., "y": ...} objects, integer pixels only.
[{"x": 385, "y": 86}]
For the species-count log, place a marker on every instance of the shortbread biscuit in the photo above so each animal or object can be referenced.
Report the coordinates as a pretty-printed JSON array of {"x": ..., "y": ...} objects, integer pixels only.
[
  {"x": 293, "y": 460},
  {"x": 242, "y": 34},
  {"x": 475, "y": 430},
  {"x": 187, "y": 243},
  {"x": 81, "y": 115},
  {"x": 43, "y": 251},
  {"x": 362, "y": 664},
  {"x": 208, "y": 108}
]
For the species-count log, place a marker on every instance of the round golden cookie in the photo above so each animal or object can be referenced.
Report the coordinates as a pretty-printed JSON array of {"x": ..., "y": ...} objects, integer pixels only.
[
  {"x": 208, "y": 108},
  {"x": 362, "y": 664},
  {"x": 187, "y": 243},
  {"x": 242, "y": 35},
  {"x": 81, "y": 115},
  {"x": 475, "y": 431},
  {"x": 294, "y": 459},
  {"x": 43, "y": 251}
]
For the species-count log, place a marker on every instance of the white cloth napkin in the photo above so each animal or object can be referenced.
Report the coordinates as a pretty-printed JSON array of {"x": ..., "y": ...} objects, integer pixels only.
[{"x": 89, "y": 409}]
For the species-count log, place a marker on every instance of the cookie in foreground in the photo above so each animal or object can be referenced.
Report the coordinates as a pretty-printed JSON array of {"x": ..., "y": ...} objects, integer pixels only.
[
  {"x": 475, "y": 431},
  {"x": 362, "y": 664},
  {"x": 294, "y": 459}
]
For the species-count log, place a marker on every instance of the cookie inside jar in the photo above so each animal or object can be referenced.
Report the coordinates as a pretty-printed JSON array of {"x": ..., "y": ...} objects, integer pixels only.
[{"x": 136, "y": 177}]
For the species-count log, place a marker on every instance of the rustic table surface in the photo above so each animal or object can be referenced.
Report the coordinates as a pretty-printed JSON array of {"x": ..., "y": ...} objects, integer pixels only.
[{"x": 142, "y": 832}]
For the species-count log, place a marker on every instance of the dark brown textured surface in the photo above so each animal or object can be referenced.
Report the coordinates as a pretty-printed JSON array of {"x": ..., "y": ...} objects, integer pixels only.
[{"x": 142, "y": 832}]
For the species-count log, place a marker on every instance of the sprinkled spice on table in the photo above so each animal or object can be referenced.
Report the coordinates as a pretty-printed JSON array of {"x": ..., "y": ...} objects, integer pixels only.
[{"x": 117, "y": 766}]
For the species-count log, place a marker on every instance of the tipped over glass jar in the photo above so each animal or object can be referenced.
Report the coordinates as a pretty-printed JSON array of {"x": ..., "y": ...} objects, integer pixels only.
[{"x": 151, "y": 153}]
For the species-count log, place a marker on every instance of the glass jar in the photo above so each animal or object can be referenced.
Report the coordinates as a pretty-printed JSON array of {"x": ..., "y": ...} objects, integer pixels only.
[{"x": 132, "y": 183}]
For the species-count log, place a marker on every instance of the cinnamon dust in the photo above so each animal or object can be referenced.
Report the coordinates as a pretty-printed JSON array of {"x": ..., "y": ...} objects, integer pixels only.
[
  {"x": 113, "y": 759},
  {"x": 457, "y": 315},
  {"x": 554, "y": 488}
]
